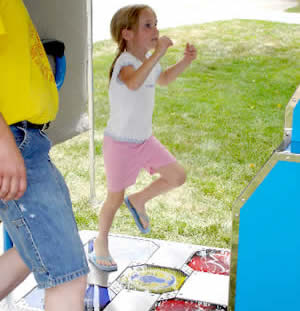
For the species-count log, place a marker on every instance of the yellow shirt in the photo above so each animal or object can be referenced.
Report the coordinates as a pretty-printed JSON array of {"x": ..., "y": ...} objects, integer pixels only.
[
  {"x": 27, "y": 85},
  {"x": 2, "y": 29}
]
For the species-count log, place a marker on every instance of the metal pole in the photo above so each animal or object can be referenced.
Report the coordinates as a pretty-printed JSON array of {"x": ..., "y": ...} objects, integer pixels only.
[{"x": 91, "y": 103}]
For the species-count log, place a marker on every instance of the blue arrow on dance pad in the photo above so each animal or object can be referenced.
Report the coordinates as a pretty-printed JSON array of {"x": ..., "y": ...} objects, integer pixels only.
[{"x": 153, "y": 279}]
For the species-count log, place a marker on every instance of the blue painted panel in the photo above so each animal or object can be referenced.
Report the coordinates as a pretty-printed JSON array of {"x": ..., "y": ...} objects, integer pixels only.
[
  {"x": 268, "y": 271},
  {"x": 7, "y": 242}
]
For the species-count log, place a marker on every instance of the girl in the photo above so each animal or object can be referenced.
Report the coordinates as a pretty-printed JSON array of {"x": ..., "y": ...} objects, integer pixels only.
[{"x": 128, "y": 144}]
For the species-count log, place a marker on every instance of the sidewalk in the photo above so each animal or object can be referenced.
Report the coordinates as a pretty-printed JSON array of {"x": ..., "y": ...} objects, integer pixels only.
[{"x": 197, "y": 12}]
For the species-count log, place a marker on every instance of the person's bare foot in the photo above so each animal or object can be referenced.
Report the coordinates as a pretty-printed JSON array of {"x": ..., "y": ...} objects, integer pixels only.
[
  {"x": 141, "y": 210},
  {"x": 101, "y": 251}
]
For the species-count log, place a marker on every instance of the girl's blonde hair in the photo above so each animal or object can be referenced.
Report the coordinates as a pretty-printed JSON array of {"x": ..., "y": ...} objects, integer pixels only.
[{"x": 125, "y": 18}]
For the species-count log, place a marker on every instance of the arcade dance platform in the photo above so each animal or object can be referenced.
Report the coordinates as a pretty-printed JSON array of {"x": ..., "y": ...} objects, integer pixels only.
[{"x": 153, "y": 275}]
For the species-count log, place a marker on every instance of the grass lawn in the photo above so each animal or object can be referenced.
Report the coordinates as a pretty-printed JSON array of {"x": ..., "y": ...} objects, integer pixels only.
[
  {"x": 222, "y": 119},
  {"x": 296, "y": 9}
]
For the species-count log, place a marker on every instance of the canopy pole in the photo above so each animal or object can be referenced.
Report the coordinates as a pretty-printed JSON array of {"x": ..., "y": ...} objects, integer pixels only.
[{"x": 91, "y": 104}]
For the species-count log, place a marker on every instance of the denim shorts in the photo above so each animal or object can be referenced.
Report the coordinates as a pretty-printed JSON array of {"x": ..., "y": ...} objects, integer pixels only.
[{"x": 41, "y": 224}]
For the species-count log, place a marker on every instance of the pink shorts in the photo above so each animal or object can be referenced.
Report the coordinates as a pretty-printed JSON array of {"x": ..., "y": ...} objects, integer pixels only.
[{"x": 123, "y": 161}]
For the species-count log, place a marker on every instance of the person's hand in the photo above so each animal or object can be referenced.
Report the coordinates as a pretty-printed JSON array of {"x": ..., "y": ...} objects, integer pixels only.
[
  {"x": 163, "y": 43},
  {"x": 12, "y": 169},
  {"x": 190, "y": 53}
]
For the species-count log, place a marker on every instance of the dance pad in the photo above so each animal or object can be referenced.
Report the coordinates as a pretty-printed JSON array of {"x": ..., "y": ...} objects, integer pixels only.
[{"x": 153, "y": 275}]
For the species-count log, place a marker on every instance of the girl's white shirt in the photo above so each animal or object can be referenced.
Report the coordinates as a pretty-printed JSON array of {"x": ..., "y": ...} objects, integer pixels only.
[{"x": 131, "y": 112}]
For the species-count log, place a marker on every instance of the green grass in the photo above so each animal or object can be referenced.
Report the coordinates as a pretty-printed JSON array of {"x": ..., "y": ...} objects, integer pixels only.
[
  {"x": 222, "y": 119},
  {"x": 296, "y": 9}
]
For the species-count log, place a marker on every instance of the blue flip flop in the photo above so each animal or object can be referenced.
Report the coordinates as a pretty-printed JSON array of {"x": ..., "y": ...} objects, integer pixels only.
[
  {"x": 137, "y": 217},
  {"x": 93, "y": 259}
]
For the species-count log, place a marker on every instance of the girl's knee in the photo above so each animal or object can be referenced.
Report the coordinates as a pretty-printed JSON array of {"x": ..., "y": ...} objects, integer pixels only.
[
  {"x": 179, "y": 178},
  {"x": 174, "y": 174},
  {"x": 182, "y": 178}
]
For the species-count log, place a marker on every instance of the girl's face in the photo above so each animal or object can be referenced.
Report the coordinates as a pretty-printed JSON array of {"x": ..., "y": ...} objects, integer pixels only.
[{"x": 146, "y": 34}]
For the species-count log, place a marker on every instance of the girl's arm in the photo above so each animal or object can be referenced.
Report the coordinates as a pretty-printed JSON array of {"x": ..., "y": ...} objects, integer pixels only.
[
  {"x": 135, "y": 78},
  {"x": 174, "y": 71}
]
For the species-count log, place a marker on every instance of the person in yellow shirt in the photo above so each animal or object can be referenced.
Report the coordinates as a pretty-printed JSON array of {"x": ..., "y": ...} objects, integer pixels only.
[{"x": 34, "y": 201}]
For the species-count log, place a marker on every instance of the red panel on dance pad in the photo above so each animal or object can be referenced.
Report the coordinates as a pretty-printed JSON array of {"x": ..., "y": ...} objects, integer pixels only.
[
  {"x": 183, "y": 305},
  {"x": 211, "y": 261}
]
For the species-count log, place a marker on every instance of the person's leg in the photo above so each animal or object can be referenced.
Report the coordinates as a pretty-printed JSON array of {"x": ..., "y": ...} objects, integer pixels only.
[
  {"x": 13, "y": 271},
  {"x": 67, "y": 296},
  {"x": 171, "y": 176},
  {"x": 43, "y": 228},
  {"x": 112, "y": 203}
]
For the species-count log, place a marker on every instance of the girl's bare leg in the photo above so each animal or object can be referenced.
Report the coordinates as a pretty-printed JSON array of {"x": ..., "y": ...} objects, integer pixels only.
[
  {"x": 112, "y": 203},
  {"x": 171, "y": 176},
  {"x": 13, "y": 271}
]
